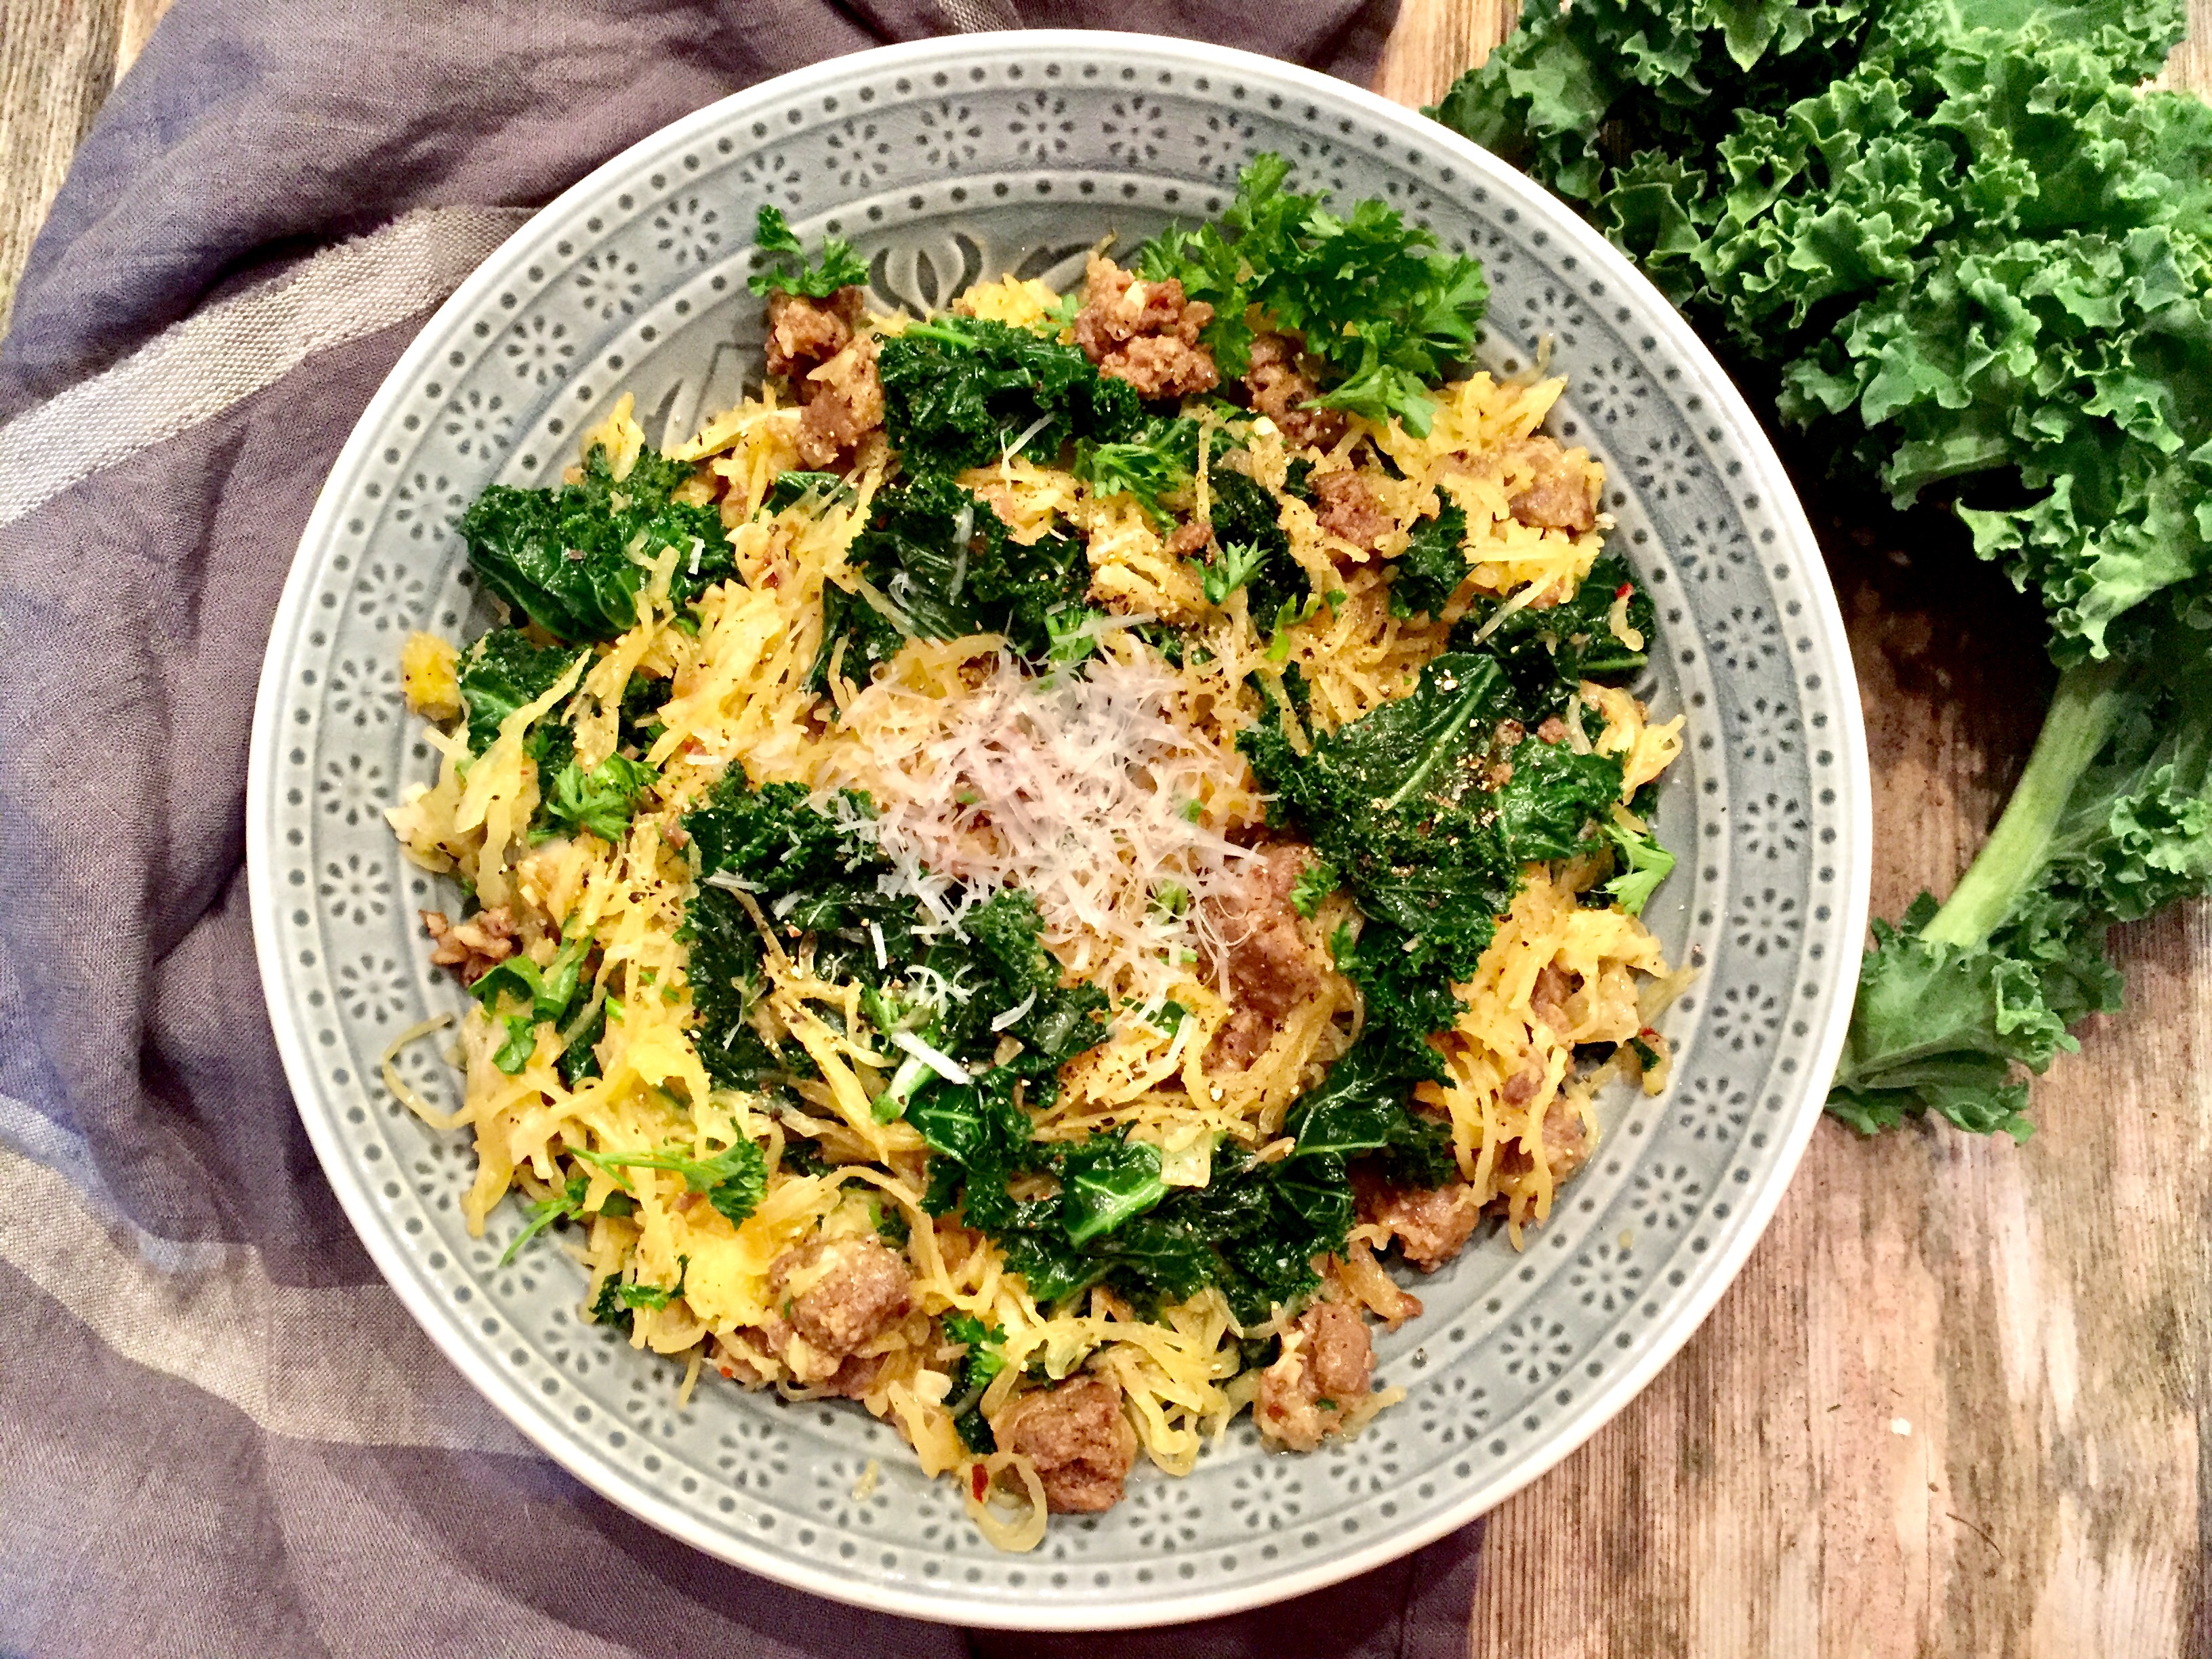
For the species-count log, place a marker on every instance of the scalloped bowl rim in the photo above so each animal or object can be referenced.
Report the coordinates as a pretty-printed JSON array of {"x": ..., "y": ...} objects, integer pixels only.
[{"x": 1688, "y": 1311}]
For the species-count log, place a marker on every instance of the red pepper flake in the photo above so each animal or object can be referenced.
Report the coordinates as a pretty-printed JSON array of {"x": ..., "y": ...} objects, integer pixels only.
[
  {"x": 1624, "y": 590},
  {"x": 980, "y": 1478},
  {"x": 1647, "y": 1032}
]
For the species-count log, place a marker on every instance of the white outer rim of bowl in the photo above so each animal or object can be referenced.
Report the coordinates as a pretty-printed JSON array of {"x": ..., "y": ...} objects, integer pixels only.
[{"x": 1854, "y": 857}]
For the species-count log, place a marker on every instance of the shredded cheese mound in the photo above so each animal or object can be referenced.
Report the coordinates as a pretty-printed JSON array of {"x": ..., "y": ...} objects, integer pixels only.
[{"x": 1083, "y": 790}]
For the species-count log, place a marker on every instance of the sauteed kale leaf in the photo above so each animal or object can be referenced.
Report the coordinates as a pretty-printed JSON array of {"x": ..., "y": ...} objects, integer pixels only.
[
  {"x": 1254, "y": 1229},
  {"x": 959, "y": 393},
  {"x": 502, "y": 672},
  {"x": 1427, "y": 814},
  {"x": 939, "y": 564},
  {"x": 574, "y": 560},
  {"x": 1426, "y": 808},
  {"x": 1245, "y": 517},
  {"x": 1433, "y": 567},
  {"x": 1547, "y": 651},
  {"x": 820, "y": 878}
]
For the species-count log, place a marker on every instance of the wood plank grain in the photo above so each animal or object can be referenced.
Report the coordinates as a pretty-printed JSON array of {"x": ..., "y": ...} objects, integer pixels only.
[
  {"x": 1434, "y": 40},
  {"x": 58, "y": 61},
  {"x": 1952, "y": 1404},
  {"x": 134, "y": 29},
  {"x": 56, "y": 66}
]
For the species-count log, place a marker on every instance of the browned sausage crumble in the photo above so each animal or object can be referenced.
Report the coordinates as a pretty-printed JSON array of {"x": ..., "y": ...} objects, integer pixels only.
[
  {"x": 1279, "y": 389},
  {"x": 817, "y": 344},
  {"x": 1146, "y": 333},
  {"x": 470, "y": 948},
  {"x": 1270, "y": 965},
  {"x": 1345, "y": 506},
  {"x": 1079, "y": 1439},
  {"x": 1432, "y": 1224},
  {"x": 832, "y": 1296},
  {"x": 1560, "y": 496},
  {"x": 1306, "y": 1395}
]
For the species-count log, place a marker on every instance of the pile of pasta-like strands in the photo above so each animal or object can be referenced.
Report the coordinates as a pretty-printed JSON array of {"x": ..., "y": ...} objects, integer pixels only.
[{"x": 741, "y": 698}]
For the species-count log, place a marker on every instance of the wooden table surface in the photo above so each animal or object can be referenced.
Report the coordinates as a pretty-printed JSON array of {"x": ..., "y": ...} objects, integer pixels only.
[{"x": 1955, "y": 1403}]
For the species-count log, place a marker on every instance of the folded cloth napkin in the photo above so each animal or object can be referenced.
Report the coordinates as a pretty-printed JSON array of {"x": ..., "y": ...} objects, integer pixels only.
[{"x": 219, "y": 1433}]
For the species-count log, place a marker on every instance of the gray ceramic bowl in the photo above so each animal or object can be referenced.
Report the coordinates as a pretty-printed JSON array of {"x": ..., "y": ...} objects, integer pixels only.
[{"x": 946, "y": 162}]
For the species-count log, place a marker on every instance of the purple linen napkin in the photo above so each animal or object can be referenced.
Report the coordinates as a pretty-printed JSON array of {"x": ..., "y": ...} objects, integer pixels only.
[{"x": 219, "y": 1432}]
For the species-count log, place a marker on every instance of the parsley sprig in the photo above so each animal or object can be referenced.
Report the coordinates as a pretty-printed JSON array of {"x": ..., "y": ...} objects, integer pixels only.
[
  {"x": 837, "y": 267},
  {"x": 734, "y": 1179},
  {"x": 1372, "y": 296}
]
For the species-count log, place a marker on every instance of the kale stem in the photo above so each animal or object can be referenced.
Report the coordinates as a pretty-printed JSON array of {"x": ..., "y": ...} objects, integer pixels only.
[
  {"x": 2082, "y": 715},
  {"x": 912, "y": 1074}
]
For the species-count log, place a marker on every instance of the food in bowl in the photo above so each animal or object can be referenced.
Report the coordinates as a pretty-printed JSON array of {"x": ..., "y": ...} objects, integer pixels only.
[{"x": 1007, "y": 876}]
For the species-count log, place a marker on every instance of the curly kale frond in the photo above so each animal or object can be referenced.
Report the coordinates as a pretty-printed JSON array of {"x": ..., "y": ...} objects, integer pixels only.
[
  {"x": 1887, "y": 183},
  {"x": 941, "y": 565},
  {"x": 574, "y": 559},
  {"x": 2112, "y": 820},
  {"x": 960, "y": 392}
]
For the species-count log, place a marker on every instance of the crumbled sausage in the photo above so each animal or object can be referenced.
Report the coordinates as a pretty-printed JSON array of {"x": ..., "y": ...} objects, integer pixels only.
[
  {"x": 855, "y": 1376},
  {"x": 1559, "y": 495},
  {"x": 470, "y": 948},
  {"x": 1432, "y": 1224},
  {"x": 1189, "y": 540},
  {"x": 843, "y": 403},
  {"x": 1548, "y": 1000},
  {"x": 1159, "y": 365},
  {"x": 1280, "y": 390},
  {"x": 1520, "y": 1088},
  {"x": 1553, "y": 730},
  {"x": 1270, "y": 967},
  {"x": 1346, "y": 506},
  {"x": 1304, "y": 1396},
  {"x": 803, "y": 334},
  {"x": 1146, "y": 333},
  {"x": 1566, "y": 1145},
  {"x": 1079, "y": 1439},
  {"x": 838, "y": 1293},
  {"x": 817, "y": 344},
  {"x": 1566, "y": 1139}
]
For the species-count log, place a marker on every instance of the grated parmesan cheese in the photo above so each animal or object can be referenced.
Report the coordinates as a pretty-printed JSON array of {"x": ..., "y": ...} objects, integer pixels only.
[{"x": 1076, "y": 789}]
